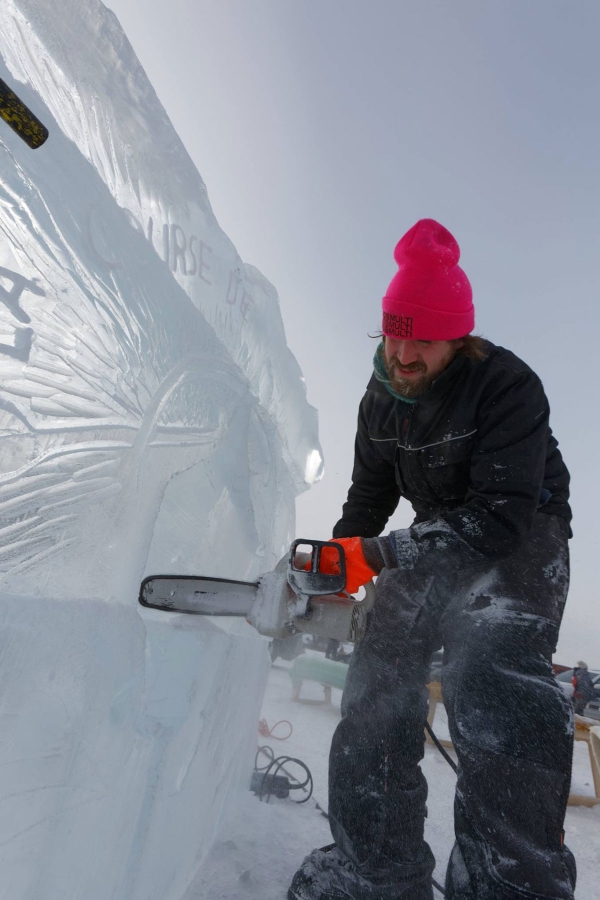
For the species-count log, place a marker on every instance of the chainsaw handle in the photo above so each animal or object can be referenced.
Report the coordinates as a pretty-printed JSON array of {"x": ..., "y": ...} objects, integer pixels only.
[{"x": 311, "y": 582}]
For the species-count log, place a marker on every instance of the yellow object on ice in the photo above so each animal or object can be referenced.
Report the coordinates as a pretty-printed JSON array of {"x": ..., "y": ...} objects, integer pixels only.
[{"x": 20, "y": 118}]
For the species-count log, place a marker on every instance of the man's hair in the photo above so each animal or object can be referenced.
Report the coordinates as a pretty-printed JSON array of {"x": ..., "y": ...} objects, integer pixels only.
[{"x": 473, "y": 347}]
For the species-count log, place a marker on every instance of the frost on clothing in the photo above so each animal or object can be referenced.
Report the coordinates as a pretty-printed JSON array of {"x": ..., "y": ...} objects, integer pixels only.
[
  {"x": 510, "y": 722},
  {"x": 476, "y": 453},
  {"x": 152, "y": 419}
]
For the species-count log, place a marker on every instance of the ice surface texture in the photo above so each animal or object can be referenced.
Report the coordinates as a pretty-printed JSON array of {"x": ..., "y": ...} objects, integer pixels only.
[{"x": 152, "y": 418}]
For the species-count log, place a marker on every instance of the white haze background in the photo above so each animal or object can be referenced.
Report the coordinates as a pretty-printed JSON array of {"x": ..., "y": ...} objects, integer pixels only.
[{"x": 325, "y": 129}]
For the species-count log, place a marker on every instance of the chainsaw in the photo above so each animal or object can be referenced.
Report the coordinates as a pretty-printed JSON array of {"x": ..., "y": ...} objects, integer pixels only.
[{"x": 295, "y": 597}]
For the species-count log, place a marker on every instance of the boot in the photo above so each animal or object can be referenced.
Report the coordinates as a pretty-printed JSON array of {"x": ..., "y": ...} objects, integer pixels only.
[{"x": 328, "y": 874}]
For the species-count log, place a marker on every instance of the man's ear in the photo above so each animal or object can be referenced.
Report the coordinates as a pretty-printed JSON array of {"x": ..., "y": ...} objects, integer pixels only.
[{"x": 458, "y": 344}]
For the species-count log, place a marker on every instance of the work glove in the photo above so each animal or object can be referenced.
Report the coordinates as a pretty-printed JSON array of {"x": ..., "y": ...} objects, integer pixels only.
[{"x": 358, "y": 570}]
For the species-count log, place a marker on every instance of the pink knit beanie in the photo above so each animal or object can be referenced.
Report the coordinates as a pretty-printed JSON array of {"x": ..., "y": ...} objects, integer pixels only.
[{"x": 429, "y": 298}]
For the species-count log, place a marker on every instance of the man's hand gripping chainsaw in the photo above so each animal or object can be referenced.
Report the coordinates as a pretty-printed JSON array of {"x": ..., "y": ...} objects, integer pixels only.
[
  {"x": 305, "y": 593},
  {"x": 311, "y": 593}
]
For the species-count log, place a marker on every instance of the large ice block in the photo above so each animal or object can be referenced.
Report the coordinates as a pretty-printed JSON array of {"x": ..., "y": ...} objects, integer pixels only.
[{"x": 151, "y": 418}]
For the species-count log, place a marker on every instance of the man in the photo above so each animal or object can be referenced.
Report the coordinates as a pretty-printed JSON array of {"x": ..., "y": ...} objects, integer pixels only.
[
  {"x": 460, "y": 428},
  {"x": 583, "y": 688}
]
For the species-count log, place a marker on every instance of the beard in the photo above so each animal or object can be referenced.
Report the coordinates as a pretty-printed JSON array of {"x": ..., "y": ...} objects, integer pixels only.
[{"x": 415, "y": 386}]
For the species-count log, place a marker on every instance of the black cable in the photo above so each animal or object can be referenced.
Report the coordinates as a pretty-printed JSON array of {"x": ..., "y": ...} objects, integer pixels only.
[
  {"x": 446, "y": 756},
  {"x": 451, "y": 763},
  {"x": 278, "y": 764},
  {"x": 264, "y": 750}
]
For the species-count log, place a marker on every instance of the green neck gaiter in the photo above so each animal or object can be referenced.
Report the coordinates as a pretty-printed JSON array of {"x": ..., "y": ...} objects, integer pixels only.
[{"x": 381, "y": 375}]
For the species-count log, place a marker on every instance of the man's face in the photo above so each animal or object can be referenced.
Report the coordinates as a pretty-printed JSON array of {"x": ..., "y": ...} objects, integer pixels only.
[{"x": 413, "y": 365}]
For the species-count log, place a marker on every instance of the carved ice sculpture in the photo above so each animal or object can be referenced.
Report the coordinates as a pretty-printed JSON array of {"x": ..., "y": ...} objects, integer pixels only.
[{"x": 151, "y": 418}]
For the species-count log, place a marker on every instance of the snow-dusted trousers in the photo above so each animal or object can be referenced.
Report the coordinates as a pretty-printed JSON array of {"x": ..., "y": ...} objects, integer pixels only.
[{"x": 510, "y": 722}]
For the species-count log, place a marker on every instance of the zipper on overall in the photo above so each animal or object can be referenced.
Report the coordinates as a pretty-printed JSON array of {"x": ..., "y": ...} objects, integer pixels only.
[
  {"x": 402, "y": 439},
  {"x": 406, "y": 425}
]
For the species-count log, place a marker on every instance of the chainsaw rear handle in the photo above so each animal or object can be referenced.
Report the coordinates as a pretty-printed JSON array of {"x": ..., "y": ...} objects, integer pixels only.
[
  {"x": 369, "y": 599},
  {"x": 311, "y": 582}
]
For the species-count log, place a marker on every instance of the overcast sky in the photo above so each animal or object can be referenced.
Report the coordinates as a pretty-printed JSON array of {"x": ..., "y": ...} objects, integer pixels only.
[{"x": 324, "y": 129}]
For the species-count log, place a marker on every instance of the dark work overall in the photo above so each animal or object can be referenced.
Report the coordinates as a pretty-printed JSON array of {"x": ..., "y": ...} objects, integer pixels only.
[{"x": 510, "y": 722}]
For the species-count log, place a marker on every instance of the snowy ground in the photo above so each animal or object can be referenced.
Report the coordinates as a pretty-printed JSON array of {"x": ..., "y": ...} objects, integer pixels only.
[{"x": 265, "y": 845}]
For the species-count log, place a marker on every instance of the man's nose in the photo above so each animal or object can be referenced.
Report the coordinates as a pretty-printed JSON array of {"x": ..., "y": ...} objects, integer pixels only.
[{"x": 406, "y": 352}]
